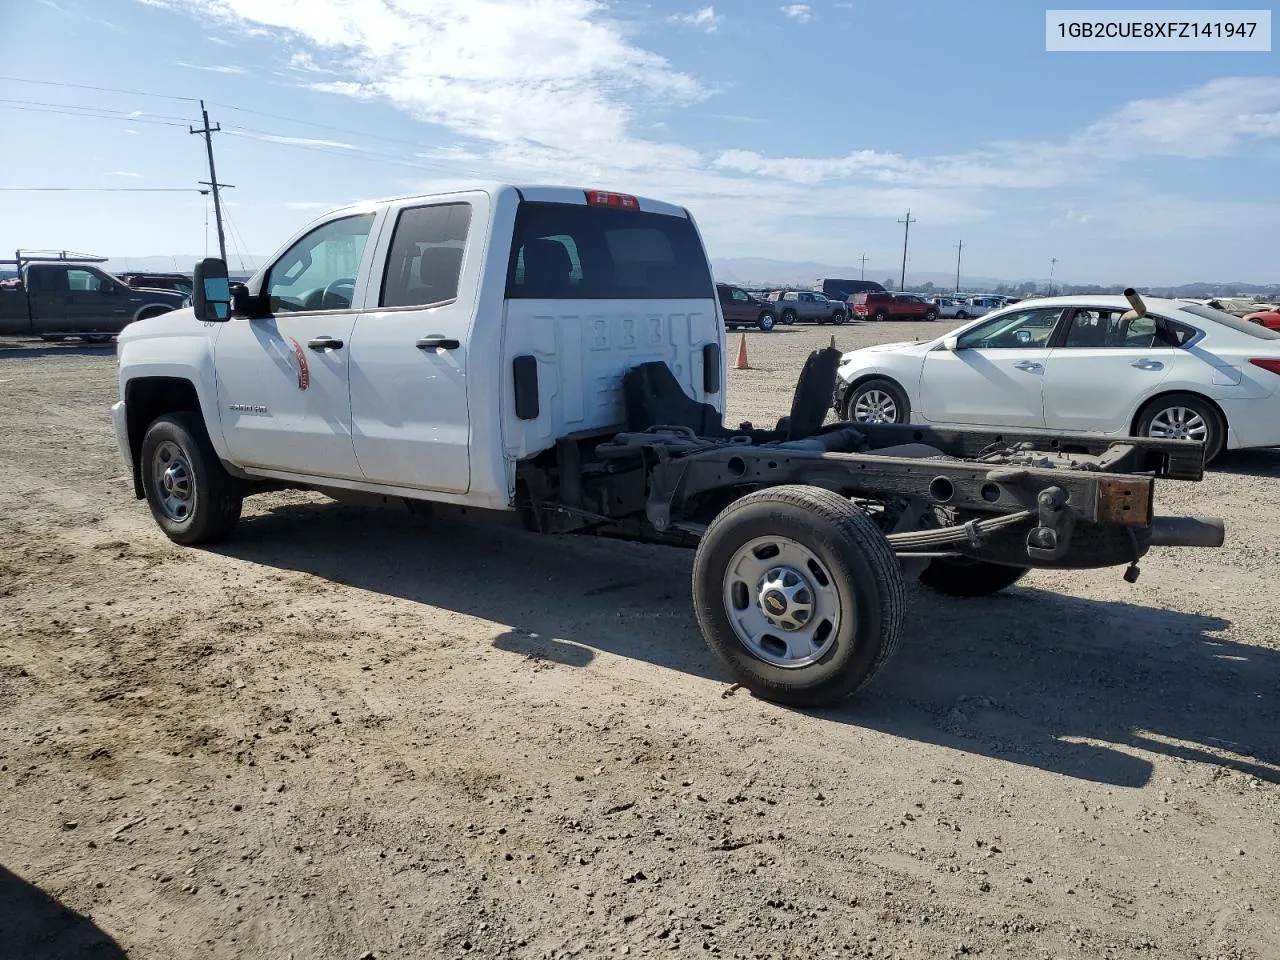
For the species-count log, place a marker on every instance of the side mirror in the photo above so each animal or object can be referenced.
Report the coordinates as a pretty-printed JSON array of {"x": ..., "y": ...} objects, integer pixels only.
[
  {"x": 951, "y": 344},
  {"x": 211, "y": 295}
]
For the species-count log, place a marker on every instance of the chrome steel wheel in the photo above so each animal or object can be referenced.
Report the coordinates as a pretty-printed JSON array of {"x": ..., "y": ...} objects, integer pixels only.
[
  {"x": 174, "y": 485},
  {"x": 781, "y": 602},
  {"x": 874, "y": 406},
  {"x": 1178, "y": 423}
]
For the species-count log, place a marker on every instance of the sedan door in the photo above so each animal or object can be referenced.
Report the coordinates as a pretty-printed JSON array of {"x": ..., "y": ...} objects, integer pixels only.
[
  {"x": 995, "y": 374},
  {"x": 1105, "y": 366}
]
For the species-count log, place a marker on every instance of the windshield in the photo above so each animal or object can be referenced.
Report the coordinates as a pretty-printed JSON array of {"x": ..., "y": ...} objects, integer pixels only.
[{"x": 1238, "y": 324}]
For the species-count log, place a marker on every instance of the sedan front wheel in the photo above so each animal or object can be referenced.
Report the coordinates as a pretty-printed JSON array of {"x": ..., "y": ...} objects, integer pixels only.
[{"x": 877, "y": 401}]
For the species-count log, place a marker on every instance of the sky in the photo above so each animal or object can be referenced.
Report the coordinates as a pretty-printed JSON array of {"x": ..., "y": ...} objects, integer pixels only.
[{"x": 791, "y": 131}]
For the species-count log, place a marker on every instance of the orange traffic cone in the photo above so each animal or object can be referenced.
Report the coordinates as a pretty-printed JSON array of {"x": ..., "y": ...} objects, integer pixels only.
[{"x": 741, "y": 362}]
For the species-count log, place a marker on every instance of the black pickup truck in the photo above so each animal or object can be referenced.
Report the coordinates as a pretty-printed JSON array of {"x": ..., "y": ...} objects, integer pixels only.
[{"x": 55, "y": 300}]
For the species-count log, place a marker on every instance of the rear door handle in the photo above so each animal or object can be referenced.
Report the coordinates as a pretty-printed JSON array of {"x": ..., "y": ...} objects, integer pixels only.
[
  {"x": 1147, "y": 364},
  {"x": 325, "y": 343},
  {"x": 1029, "y": 365},
  {"x": 438, "y": 342}
]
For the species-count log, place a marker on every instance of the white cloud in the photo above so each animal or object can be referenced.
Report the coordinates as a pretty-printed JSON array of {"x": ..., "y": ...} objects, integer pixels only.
[
  {"x": 800, "y": 12},
  {"x": 124, "y": 173},
  {"x": 291, "y": 141},
  {"x": 216, "y": 68},
  {"x": 704, "y": 18},
  {"x": 310, "y": 205}
]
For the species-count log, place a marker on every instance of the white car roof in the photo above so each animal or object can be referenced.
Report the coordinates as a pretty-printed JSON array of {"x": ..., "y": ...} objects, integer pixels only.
[{"x": 533, "y": 192}]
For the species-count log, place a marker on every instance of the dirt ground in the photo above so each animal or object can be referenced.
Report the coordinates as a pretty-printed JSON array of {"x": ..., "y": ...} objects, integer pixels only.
[{"x": 353, "y": 734}]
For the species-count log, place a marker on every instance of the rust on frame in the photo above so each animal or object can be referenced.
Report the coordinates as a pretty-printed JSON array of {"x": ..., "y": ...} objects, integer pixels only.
[{"x": 1125, "y": 500}]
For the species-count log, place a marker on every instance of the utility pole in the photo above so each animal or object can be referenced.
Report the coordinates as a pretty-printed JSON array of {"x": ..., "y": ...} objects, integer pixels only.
[
  {"x": 959, "y": 250},
  {"x": 864, "y": 259},
  {"x": 1053, "y": 263},
  {"x": 212, "y": 183},
  {"x": 906, "y": 232}
]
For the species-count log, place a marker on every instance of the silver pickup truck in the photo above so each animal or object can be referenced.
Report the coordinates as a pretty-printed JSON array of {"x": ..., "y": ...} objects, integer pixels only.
[{"x": 806, "y": 305}]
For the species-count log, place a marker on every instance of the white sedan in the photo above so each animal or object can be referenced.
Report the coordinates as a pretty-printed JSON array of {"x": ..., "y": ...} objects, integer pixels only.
[{"x": 1084, "y": 365}]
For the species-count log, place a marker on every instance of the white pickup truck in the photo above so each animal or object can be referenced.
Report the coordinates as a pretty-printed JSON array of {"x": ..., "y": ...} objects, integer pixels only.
[{"x": 555, "y": 356}]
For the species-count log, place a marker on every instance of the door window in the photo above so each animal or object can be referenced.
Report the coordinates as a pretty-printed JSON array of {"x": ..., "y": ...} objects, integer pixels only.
[
  {"x": 1097, "y": 327},
  {"x": 87, "y": 280},
  {"x": 425, "y": 261},
  {"x": 740, "y": 296},
  {"x": 319, "y": 271},
  {"x": 1026, "y": 329}
]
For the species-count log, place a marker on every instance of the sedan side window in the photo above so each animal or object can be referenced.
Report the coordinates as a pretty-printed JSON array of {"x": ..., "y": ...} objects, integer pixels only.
[
  {"x": 1024, "y": 329},
  {"x": 319, "y": 271}
]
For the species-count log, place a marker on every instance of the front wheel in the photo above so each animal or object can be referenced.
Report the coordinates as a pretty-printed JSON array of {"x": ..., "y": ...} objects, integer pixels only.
[
  {"x": 799, "y": 593},
  {"x": 765, "y": 322},
  {"x": 880, "y": 316},
  {"x": 98, "y": 337},
  {"x": 931, "y": 314},
  {"x": 877, "y": 401},
  {"x": 839, "y": 317},
  {"x": 962, "y": 577},
  {"x": 789, "y": 317},
  {"x": 1184, "y": 416},
  {"x": 191, "y": 497}
]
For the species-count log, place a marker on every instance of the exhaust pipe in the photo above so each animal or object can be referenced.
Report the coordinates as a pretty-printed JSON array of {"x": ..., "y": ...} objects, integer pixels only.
[
  {"x": 1135, "y": 301},
  {"x": 1188, "y": 532}
]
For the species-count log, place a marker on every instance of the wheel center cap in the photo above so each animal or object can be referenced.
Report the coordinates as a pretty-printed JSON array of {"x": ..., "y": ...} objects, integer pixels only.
[{"x": 785, "y": 598}]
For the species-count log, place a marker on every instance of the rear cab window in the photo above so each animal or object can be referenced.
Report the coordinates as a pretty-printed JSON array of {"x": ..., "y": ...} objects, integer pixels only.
[
  {"x": 565, "y": 251},
  {"x": 425, "y": 260}
]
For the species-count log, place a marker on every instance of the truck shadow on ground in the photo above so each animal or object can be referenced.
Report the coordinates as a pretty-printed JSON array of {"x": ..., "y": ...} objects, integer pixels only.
[
  {"x": 32, "y": 349},
  {"x": 1065, "y": 684},
  {"x": 35, "y": 926}
]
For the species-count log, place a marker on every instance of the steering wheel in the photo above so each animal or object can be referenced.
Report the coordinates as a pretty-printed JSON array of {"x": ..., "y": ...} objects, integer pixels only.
[{"x": 329, "y": 290}]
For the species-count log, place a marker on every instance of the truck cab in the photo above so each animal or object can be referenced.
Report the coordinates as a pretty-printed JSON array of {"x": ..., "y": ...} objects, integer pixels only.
[{"x": 424, "y": 346}]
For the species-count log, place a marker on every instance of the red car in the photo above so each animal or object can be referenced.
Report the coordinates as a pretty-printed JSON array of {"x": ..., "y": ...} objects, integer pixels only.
[
  {"x": 1268, "y": 318},
  {"x": 893, "y": 306}
]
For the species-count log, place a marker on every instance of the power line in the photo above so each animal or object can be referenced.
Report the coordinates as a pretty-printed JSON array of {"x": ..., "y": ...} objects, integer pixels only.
[
  {"x": 131, "y": 115},
  {"x": 104, "y": 189},
  {"x": 83, "y": 113},
  {"x": 86, "y": 86}
]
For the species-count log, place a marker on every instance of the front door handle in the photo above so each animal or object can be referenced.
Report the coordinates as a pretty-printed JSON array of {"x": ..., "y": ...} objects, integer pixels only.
[
  {"x": 438, "y": 342},
  {"x": 325, "y": 343},
  {"x": 1029, "y": 365},
  {"x": 1147, "y": 364}
]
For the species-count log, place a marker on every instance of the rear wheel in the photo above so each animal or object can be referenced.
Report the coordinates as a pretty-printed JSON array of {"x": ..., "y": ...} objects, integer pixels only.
[
  {"x": 962, "y": 577},
  {"x": 193, "y": 499},
  {"x": 931, "y": 314},
  {"x": 765, "y": 322},
  {"x": 799, "y": 593},
  {"x": 1184, "y": 416},
  {"x": 788, "y": 317},
  {"x": 98, "y": 337},
  {"x": 962, "y": 315},
  {"x": 881, "y": 316},
  {"x": 877, "y": 401},
  {"x": 839, "y": 317}
]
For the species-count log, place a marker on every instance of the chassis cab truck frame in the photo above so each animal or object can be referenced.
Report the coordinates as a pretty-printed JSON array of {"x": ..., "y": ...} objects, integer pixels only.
[{"x": 556, "y": 356}]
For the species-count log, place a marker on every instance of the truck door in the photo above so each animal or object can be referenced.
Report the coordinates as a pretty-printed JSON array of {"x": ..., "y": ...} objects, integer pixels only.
[
  {"x": 50, "y": 297},
  {"x": 284, "y": 392},
  {"x": 409, "y": 412}
]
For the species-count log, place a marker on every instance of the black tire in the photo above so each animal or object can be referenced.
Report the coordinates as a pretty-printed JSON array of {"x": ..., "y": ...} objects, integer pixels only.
[
  {"x": 765, "y": 322},
  {"x": 98, "y": 337},
  {"x": 961, "y": 577},
  {"x": 52, "y": 338},
  {"x": 962, "y": 315},
  {"x": 839, "y": 317},
  {"x": 788, "y": 317},
  {"x": 1215, "y": 429},
  {"x": 931, "y": 315},
  {"x": 213, "y": 507},
  {"x": 902, "y": 405},
  {"x": 880, "y": 316},
  {"x": 864, "y": 575}
]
